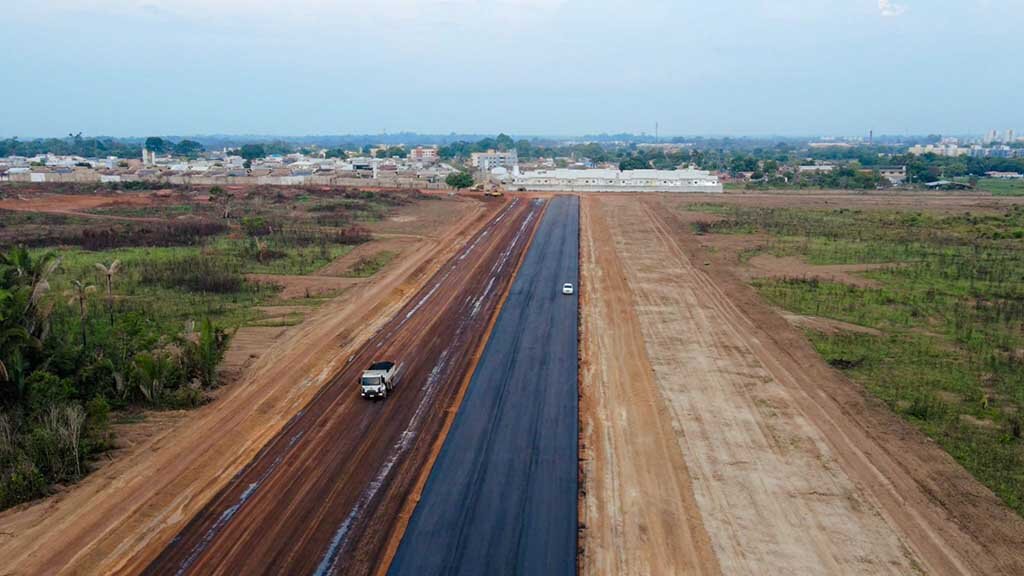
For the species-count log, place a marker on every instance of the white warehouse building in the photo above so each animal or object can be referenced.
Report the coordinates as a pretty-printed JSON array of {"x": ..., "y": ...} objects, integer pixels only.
[{"x": 601, "y": 180}]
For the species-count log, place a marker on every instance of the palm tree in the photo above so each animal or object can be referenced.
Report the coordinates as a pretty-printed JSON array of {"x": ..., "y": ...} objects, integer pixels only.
[
  {"x": 151, "y": 372},
  {"x": 204, "y": 351},
  {"x": 79, "y": 294},
  {"x": 28, "y": 279},
  {"x": 109, "y": 272},
  {"x": 13, "y": 335}
]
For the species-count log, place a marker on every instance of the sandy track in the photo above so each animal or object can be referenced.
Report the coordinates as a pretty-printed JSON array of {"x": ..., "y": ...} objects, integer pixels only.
[
  {"x": 143, "y": 499},
  {"x": 638, "y": 511}
]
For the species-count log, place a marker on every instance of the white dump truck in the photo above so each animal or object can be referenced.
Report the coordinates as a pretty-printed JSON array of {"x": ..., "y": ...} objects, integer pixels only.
[{"x": 378, "y": 380}]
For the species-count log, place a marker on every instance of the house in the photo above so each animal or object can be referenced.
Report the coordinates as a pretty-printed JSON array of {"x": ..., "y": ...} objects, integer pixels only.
[
  {"x": 896, "y": 175},
  {"x": 1004, "y": 175}
]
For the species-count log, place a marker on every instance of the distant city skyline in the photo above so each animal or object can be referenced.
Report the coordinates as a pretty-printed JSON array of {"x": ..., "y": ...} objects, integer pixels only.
[{"x": 133, "y": 68}]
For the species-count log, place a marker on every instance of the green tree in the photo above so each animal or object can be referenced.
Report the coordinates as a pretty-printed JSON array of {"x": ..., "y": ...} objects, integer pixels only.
[
  {"x": 13, "y": 337},
  {"x": 189, "y": 148},
  {"x": 156, "y": 144},
  {"x": 633, "y": 163},
  {"x": 222, "y": 198},
  {"x": 255, "y": 226},
  {"x": 459, "y": 180},
  {"x": 204, "y": 351},
  {"x": 151, "y": 373},
  {"x": 109, "y": 272},
  {"x": 79, "y": 294},
  {"x": 504, "y": 142},
  {"x": 252, "y": 151}
]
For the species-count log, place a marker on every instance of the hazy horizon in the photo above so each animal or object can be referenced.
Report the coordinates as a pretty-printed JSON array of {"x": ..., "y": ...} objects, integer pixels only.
[{"x": 789, "y": 68}]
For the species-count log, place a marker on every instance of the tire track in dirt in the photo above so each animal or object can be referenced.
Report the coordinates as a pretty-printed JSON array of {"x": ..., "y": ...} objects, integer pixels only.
[{"x": 638, "y": 510}]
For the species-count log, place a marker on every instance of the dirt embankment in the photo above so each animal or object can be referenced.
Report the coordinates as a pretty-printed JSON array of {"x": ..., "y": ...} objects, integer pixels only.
[
  {"x": 143, "y": 498},
  {"x": 793, "y": 468},
  {"x": 638, "y": 512}
]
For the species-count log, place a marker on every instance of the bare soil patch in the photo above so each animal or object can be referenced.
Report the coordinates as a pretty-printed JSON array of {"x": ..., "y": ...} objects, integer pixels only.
[
  {"x": 293, "y": 287},
  {"x": 638, "y": 513},
  {"x": 342, "y": 266},
  {"x": 247, "y": 345},
  {"x": 827, "y": 325},
  {"x": 426, "y": 218},
  {"x": 769, "y": 266}
]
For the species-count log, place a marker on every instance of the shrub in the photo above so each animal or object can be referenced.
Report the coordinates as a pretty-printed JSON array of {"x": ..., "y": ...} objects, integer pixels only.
[
  {"x": 184, "y": 233},
  {"x": 46, "y": 389},
  {"x": 194, "y": 273},
  {"x": 97, "y": 422},
  {"x": 24, "y": 482}
]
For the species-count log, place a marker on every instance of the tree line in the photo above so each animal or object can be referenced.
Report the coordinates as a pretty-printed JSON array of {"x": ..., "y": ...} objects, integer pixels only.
[{"x": 68, "y": 358}]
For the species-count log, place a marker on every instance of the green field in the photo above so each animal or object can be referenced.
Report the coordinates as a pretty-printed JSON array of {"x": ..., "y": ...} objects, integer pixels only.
[
  {"x": 367, "y": 267},
  {"x": 950, "y": 309},
  {"x": 1000, "y": 187}
]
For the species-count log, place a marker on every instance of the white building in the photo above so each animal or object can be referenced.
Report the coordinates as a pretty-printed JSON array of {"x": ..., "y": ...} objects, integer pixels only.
[
  {"x": 493, "y": 159},
  {"x": 940, "y": 150},
  {"x": 601, "y": 180}
]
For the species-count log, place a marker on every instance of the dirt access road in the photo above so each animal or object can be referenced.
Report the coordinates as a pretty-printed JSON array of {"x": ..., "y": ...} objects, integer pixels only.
[
  {"x": 146, "y": 496},
  {"x": 715, "y": 440},
  {"x": 324, "y": 495}
]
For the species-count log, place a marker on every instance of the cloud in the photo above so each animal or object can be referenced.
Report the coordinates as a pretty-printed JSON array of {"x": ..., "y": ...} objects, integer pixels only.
[{"x": 891, "y": 9}]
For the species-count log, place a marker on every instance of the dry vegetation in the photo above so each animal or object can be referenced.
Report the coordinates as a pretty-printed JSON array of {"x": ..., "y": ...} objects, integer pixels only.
[{"x": 945, "y": 309}]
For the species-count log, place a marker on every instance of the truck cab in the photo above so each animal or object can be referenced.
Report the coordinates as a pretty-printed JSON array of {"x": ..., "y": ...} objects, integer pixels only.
[{"x": 378, "y": 380}]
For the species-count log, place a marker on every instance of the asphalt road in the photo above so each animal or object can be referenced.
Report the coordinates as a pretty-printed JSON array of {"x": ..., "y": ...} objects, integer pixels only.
[
  {"x": 501, "y": 498},
  {"x": 323, "y": 497}
]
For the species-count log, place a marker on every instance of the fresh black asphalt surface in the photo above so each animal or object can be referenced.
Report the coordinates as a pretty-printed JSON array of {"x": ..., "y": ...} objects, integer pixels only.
[{"x": 501, "y": 498}]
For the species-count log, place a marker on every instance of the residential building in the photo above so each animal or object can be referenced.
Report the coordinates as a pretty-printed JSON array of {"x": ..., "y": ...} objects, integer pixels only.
[
  {"x": 816, "y": 168},
  {"x": 1005, "y": 175},
  {"x": 896, "y": 175},
  {"x": 939, "y": 150},
  {"x": 484, "y": 161},
  {"x": 424, "y": 154}
]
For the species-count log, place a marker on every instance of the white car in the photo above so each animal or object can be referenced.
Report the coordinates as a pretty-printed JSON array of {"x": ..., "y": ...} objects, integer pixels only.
[{"x": 567, "y": 288}]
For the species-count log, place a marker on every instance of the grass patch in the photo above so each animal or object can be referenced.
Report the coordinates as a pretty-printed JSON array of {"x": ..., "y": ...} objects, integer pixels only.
[
  {"x": 950, "y": 359},
  {"x": 368, "y": 266},
  {"x": 1001, "y": 187}
]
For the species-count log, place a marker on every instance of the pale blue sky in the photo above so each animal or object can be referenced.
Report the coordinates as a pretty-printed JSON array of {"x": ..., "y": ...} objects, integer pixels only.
[{"x": 725, "y": 67}]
